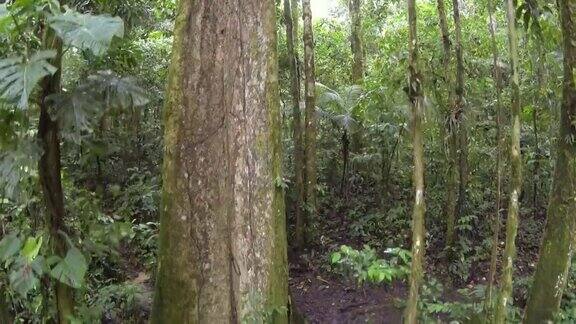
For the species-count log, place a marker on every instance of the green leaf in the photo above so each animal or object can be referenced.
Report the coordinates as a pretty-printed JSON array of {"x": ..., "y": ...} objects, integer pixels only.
[
  {"x": 25, "y": 277},
  {"x": 19, "y": 76},
  {"x": 336, "y": 256},
  {"x": 79, "y": 109},
  {"x": 117, "y": 91},
  {"x": 9, "y": 246},
  {"x": 75, "y": 111},
  {"x": 71, "y": 269},
  {"x": 85, "y": 31},
  {"x": 5, "y": 19},
  {"x": 17, "y": 163},
  {"x": 31, "y": 248}
]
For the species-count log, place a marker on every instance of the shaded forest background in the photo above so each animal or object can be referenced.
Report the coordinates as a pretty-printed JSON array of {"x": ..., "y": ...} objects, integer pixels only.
[{"x": 350, "y": 236}]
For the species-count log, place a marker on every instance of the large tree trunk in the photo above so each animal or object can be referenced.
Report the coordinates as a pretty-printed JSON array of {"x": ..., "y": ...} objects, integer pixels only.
[
  {"x": 49, "y": 172},
  {"x": 356, "y": 43},
  {"x": 310, "y": 113},
  {"x": 418, "y": 231},
  {"x": 489, "y": 299},
  {"x": 557, "y": 244},
  {"x": 296, "y": 125},
  {"x": 222, "y": 255},
  {"x": 505, "y": 296}
]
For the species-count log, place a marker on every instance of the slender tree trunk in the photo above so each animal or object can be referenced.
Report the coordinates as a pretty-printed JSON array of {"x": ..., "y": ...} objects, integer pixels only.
[
  {"x": 452, "y": 178},
  {"x": 386, "y": 169},
  {"x": 310, "y": 113},
  {"x": 356, "y": 42},
  {"x": 5, "y": 307},
  {"x": 5, "y": 316},
  {"x": 296, "y": 126},
  {"x": 418, "y": 231},
  {"x": 459, "y": 112},
  {"x": 222, "y": 255},
  {"x": 345, "y": 158},
  {"x": 49, "y": 172},
  {"x": 505, "y": 296},
  {"x": 452, "y": 171},
  {"x": 451, "y": 189},
  {"x": 489, "y": 300},
  {"x": 557, "y": 244},
  {"x": 536, "y": 170},
  {"x": 537, "y": 102},
  {"x": 444, "y": 33},
  {"x": 457, "y": 156},
  {"x": 358, "y": 64}
]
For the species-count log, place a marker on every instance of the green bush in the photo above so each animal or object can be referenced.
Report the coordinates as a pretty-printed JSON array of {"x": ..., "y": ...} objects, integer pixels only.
[{"x": 365, "y": 266}]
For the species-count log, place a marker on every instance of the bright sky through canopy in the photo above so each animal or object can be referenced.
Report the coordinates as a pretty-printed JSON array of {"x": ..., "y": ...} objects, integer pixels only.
[{"x": 321, "y": 8}]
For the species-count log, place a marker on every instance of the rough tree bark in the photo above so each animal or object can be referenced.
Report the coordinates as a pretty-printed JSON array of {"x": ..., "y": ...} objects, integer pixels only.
[
  {"x": 49, "y": 172},
  {"x": 296, "y": 125},
  {"x": 557, "y": 244},
  {"x": 418, "y": 236},
  {"x": 222, "y": 255},
  {"x": 516, "y": 175},
  {"x": 310, "y": 113},
  {"x": 489, "y": 299},
  {"x": 356, "y": 42}
]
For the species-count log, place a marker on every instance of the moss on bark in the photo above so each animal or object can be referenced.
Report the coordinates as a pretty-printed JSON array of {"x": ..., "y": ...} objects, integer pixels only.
[
  {"x": 222, "y": 251},
  {"x": 557, "y": 244},
  {"x": 505, "y": 297},
  {"x": 419, "y": 210}
]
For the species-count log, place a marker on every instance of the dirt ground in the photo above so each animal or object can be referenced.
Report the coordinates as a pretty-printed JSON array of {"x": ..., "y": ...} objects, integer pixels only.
[{"x": 320, "y": 296}]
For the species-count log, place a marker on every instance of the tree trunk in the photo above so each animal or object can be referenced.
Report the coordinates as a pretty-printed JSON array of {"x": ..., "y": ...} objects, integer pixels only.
[
  {"x": 557, "y": 244},
  {"x": 5, "y": 316},
  {"x": 345, "y": 158},
  {"x": 418, "y": 232},
  {"x": 296, "y": 126},
  {"x": 356, "y": 43},
  {"x": 516, "y": 175},
  {"x": 444, "y": 33},
  {"x": 489, "y": 299},
  {"x": 539, "y": 100},
  {"x": 451, "y": 190},
  {"x": 310, "y": 127},
  {"x": 452, "y": 171},
  {"x": 222, "y": 254},
  {"x": 49, "y": 172},
  {"x": 386, "y": 169},
  {"x": 358, "y": 65},
  {"x": 458, "y": 140}
]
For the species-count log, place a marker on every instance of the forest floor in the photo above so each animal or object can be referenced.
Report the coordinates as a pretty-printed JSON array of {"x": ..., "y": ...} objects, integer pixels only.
[{"x": 322, "y": 296}]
